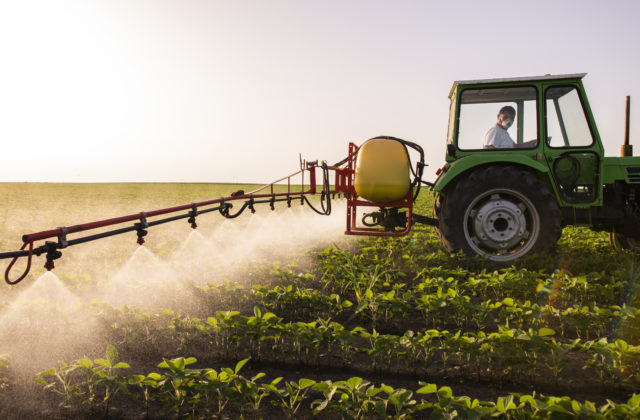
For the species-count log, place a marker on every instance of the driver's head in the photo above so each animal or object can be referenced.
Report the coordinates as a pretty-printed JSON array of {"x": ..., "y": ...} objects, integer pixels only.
[{"x": 506, "y": 115}]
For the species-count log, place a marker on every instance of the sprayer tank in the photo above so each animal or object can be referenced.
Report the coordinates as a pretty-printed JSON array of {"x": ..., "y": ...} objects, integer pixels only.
[{"x": 382, "y": 170}]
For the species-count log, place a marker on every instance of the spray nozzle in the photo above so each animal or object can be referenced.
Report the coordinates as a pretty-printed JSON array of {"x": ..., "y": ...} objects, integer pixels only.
[
  {"x": 272, "y": 203},
  {"x": 192, "y": 216},
  {"x": 140, "y": 228},
  {"x": 52, "y": 254},
  {"x": 141, "y": 234},
  {"x": 289, "y": 201}
]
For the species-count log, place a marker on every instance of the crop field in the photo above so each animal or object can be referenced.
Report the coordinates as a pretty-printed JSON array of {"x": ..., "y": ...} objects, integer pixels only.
[{"x": 277, "y": 314}]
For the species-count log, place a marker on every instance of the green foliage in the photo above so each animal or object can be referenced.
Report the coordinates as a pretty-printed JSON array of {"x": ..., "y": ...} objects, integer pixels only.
[
  {"x": 94, "y": 382},
  {"x": 291, "y": 396},
  {"x": 394, "y": 307},
  {"x": 195, "y": 393}
]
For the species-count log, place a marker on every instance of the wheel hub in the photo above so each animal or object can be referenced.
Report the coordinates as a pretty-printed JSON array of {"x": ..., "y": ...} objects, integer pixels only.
[{"x": 499, "y": 224}]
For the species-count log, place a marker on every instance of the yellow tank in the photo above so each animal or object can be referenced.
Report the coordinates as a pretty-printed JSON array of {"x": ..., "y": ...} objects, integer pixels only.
[{"x": 382, "y": 170}]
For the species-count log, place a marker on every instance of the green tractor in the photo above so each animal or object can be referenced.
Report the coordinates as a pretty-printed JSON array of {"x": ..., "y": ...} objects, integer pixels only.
[{"x": 504, "y": 199}]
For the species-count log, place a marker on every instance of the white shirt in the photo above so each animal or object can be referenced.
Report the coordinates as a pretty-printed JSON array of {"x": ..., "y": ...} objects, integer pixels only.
[{"x": 498, "y": 137}]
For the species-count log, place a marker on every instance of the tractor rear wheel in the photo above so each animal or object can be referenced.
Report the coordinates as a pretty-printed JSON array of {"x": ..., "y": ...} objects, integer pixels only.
[
  {"x": 621, "y": 241},
  {"x": 502, "y": 213}
]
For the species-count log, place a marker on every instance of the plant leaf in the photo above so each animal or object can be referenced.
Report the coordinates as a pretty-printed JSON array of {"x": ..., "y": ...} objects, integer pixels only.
[
  {"x": 428, "y": 389},
  {"x": 112, "y": 354},
  {"x": 121, "y": 365},
  {"x": 546, "y": 332},
  {"x": 306, "y": 383},
  {"x": 241, "y": 363}
]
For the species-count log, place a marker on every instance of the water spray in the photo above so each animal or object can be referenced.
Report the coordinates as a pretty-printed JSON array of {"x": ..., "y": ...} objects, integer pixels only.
[{"x": 375, "y": 174}]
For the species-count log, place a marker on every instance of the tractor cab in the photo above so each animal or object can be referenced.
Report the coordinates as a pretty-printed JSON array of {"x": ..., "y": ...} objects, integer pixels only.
[{"x": 552, "y": 132}]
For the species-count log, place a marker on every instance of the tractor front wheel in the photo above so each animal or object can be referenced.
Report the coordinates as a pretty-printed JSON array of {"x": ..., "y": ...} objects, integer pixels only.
[{"x": 502, "y": 213}]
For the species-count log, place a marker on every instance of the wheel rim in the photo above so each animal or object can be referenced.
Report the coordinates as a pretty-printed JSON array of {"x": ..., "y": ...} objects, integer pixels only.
[{"x": 501, "y": 224}]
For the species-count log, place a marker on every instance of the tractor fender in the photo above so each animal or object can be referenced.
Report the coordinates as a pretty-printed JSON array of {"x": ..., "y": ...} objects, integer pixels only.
[{"x": 459, "y": 167}]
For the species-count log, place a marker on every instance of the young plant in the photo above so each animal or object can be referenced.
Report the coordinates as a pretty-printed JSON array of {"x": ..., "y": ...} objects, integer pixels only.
[
  {"x": 64, "y": 382},
  {"x": 402, "y": 402},
  {"x": 354, "y": 398},
  {"x": 291, "y": 396},
  {"x": 249, "y": 394},
  {"x": 147, "y": 384},
  {"x": 107, "y": 375},
  {"x": 176, "y": 386}
]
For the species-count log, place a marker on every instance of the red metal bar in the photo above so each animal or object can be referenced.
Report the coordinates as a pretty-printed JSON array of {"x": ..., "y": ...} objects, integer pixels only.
[
  {"x": 312, "y": 180},
  {"x": 340, "y": 179}
]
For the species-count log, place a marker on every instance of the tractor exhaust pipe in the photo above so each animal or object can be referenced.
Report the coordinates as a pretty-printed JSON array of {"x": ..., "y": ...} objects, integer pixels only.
[{"x": 627, "y": 149}]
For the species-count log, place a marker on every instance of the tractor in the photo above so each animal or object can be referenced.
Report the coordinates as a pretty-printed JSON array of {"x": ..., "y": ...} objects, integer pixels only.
[{"x": 504, "y": 203}]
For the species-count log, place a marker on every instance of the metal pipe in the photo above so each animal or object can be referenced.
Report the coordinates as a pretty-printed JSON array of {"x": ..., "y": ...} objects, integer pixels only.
[
  {"x": 626, "y": 118},
  {"x": 627, "y": 149}
]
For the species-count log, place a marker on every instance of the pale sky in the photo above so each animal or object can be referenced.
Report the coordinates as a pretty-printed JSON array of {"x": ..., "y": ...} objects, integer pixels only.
[{"x": 233, "y": 91}]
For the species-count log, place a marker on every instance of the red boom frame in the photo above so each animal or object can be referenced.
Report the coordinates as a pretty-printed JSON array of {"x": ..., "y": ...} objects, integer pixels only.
[{"x": 343, "y": 184}]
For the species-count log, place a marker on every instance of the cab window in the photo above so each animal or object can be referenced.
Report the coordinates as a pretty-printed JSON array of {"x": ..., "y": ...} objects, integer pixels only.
[
  {"x": 478, "y": 118},
  {"x": 567, "y": 124}
]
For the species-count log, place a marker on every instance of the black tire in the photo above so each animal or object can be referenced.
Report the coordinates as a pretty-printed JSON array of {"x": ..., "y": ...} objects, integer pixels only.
[
  {"x": 621, "y": 241},
  {"x": 502, "y": 213},
  {"x": 437, "y": 206}
]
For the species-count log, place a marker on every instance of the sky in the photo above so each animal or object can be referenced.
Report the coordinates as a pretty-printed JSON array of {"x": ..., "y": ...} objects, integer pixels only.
[{"x": 234, "y": 91}]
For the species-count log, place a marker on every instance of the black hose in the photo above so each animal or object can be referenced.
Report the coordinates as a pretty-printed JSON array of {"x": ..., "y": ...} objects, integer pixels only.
[
  {"x": 225, "y": 211},
  {"x": 342, "y": 162},
  {"x": 326, "y": 189},
  {"x": 325, "y": 195}
]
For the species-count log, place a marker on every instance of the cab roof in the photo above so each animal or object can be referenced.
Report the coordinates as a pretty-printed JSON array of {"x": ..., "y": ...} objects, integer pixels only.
[{"x": 516, "y": 79}]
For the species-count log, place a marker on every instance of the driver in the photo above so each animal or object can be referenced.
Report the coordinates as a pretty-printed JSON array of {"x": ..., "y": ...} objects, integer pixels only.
[{"x": 497, "y": 137}]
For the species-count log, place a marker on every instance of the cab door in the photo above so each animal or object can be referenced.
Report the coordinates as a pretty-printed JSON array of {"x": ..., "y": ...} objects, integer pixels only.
[{"x": 570, "y": 147}]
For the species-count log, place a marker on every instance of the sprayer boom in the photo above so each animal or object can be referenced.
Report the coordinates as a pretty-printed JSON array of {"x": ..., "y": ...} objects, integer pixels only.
[
  {"x": 381, "y": 180},
  {"x": 266, "y": 194}
]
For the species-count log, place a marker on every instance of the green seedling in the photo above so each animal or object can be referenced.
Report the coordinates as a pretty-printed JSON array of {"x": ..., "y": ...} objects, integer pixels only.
[{"x": 291, "y": 396}]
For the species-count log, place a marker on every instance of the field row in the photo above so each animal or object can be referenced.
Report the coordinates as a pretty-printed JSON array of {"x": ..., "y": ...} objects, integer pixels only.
[
  {"x": 444, "y": 308},
  {"x": 509, "y": 355},
  {"x": 392, "y": 262},
  {"x": 183, "y": 391}
]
